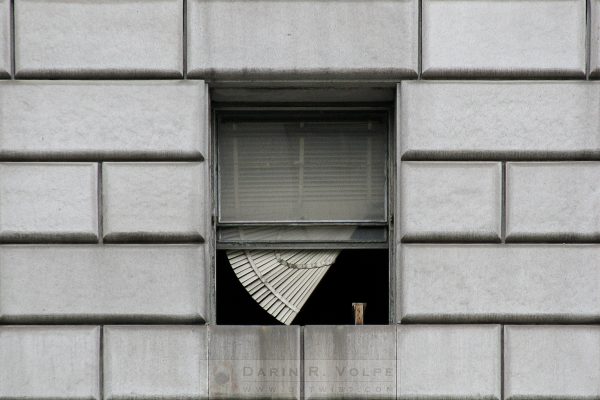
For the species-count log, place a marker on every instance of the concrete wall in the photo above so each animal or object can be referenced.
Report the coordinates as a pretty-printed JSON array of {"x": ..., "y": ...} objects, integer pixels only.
[{"x": 106, "y": 233}]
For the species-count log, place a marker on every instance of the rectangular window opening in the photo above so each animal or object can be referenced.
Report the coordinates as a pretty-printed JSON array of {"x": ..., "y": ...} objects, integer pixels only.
[{"x": 302, "y": 216}]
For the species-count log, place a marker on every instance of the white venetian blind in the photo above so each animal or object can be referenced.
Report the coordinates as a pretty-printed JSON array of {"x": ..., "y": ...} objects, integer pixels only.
[{"x": 305, "y": 168}]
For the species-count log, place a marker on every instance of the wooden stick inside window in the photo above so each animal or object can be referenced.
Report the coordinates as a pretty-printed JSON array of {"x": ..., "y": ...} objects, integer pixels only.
[{"x": 359, "y": 313}]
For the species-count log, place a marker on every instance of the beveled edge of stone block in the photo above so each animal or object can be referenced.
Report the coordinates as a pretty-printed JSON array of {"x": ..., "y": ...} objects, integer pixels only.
[
  {"x": 90, "y": 319},
  {"x": 316, "y": 74},
  {"x": 498, "y": 155},
  {"x": 153, "y": 237},
  {"x": 95, "y": 74},
  {"x": 8, "y": 237},
  {"x": 5, "y": 70},
  {"x": 502, "y": 73}
]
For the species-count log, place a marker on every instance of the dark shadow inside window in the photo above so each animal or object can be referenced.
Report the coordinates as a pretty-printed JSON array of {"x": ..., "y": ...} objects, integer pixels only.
[{"x": 356, "y": 276}]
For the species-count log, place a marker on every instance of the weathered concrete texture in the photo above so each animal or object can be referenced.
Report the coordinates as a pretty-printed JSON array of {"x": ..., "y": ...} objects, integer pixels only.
[
  {"x": 50, "y": 362},
  {"x": 507, "y": 39},
  {"x": 552, "y": 362},
  {"x": 499, "y": 120},
  {"x": 79, "y": 120},
  {"x": 5, "y": 38},
  {"x": 99, "y": 39},
  {"x": 499, "y": 283},
  {"x": 595, "y": 39},
  {"x": 350, "y": 362},
  {"x": 553, "y": 201},
  {"x": 128, "y": 284},
  {"x": 155, "y": 362},
  {"x": 347, "y": 39},
  {"x": 449, "y": 362},
  {"x": 441, "y": 201},
  {"x": 153, "y": 201},
  {"x": 254, "y": 362},
  {"x": 48, "y": 202}
]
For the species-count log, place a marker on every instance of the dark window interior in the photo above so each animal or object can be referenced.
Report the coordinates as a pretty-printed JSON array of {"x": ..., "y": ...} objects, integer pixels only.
[{"x": 356, "y": 276}]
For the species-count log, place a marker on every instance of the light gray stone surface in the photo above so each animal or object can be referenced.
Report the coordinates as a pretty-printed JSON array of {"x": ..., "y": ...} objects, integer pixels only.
[
  {"x": 155, "y": 362},
  {"x": 131, "y": 284},
  {"x": 288, "y": 39},
  {"x": 553, "y": 201},
  {"x": 449, "y": 362},
  {"x": 5, "y": 38},
  {"x": 552, "y": 362},
  {"x": 499, "y": 283},
  {"x": 450, "y": 201},
  {"x": 48, "y": 202},
  {"x": 99, "y": 39},
  {"x": 254, "y": 362},
  {"x": 498, "y": 38},
  {"x": 153, "y": 201},
  {"x": 499, "y": 120},
  {"x": 50, "y": 362},
  {"x": 110, "y": 120},
  {"x": 350, "y": 362}
]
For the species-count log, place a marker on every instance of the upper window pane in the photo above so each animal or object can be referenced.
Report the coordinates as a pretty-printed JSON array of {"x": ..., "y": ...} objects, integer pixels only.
[{"x": 318, "y": 167}]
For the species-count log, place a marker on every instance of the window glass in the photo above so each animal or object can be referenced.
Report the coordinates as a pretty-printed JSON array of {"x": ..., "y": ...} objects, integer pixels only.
[{"x": 304, "y": 167}]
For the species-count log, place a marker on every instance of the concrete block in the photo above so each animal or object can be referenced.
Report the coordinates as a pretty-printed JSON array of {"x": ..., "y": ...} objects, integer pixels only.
[
  {"x": 499, "y": 120},
  {"x": 155, "y": 362},
  {"x": 109, "y": 120},
  {"x": 504, "y": 39},
  {"x": 153, "y": 201},
  {"x": 552, "y": 362},
  {"x": 5, "y": 38},
  {"x": 99, "y": 39},
  {"x": 350, "y": 362},
  {"x": 553, "y": 201},
  {"x": 449, "y": 361},
  {"x": 282, "y": 40},
  {"x": 253, "y": 362},
  {"x": 500, "y": 283},
  {"x": 131, "y": 284},
  {"x": 450, "y": 201},
  {"x": 50, "y": 362},
  {"x": 48, "y": 202}
]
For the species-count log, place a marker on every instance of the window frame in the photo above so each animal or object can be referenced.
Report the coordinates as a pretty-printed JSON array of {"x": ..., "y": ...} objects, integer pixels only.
[
  {"x": 390, "y": 108},
  {"x": 219, "y": 110}
]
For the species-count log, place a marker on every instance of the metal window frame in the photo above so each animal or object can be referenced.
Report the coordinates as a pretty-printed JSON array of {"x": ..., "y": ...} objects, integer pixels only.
[
  {"x": 390, "y": 108},
  {"x": 268, "y": 111}
]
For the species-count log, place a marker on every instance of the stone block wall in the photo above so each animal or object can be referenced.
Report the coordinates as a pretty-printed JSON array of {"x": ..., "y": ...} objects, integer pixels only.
[{"x": 107, "y": 237}]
